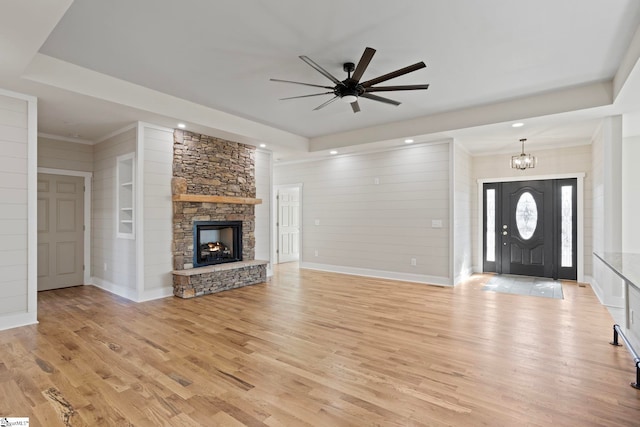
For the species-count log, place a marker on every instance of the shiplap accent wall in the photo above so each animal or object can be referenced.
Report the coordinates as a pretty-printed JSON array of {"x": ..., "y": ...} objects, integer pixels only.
[
  {"x": 463, "y": 188},
  {"x": 607, "y": 286},
  {"x": 262, "y": 232},
  {"x": 156, "y": 170},
  {"x": 630, "y": 193},
  {"x": 57, "y": 154},
  {"x": 372, "y": 213},
  {"x": 18, "y": 238},
  {"x": 116, "y": 254},
  {"x": 576, "y": 159}
]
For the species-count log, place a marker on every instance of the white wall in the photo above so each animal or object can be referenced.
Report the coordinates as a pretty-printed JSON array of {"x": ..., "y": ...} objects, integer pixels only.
[
  {"x": 18, "y": 171},
  {"x": 463, "y": 189},
  {"x": 630, "y": 194},
  {"x": 57, "y": 154},
  {"x": 577, "y": 159},
  {"x": 264, "y": 173},
  {"x": 607, "y": 217},
  {"x": 373, "y": 228},
  {"x": 113, "y": 265},
  {"x": 155, "y": 170}
]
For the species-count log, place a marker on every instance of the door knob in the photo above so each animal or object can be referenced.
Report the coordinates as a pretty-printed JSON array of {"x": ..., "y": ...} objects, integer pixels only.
[{"x": 504, "y": 233}]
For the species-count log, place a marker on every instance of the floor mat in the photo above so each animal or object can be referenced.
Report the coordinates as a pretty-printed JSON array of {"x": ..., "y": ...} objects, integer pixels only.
[{"x": 523, "y": 285}]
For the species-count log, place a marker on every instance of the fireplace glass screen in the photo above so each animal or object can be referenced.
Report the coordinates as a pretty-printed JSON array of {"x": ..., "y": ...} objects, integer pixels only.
[{"x": 216, "y": 242}]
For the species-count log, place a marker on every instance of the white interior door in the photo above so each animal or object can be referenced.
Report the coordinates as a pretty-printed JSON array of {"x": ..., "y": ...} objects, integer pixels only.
[
  {"x": 60, "y": 231},
  {"x": 288, "y": 224}
]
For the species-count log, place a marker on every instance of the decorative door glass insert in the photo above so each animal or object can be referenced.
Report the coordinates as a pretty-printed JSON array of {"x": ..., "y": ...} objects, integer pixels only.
[
  {"x": 490, "y": 238},
  {"x": 566, "y": 249},
  {"x": 526, "y": 215}
]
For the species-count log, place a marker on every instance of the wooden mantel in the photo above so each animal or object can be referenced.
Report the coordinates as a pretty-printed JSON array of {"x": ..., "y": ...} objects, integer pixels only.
[{"x": 204, "y": 198}]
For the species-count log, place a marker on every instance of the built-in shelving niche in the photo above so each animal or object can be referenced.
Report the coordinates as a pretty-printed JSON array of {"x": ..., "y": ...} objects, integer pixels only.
[{"x": 125, "y": 192}]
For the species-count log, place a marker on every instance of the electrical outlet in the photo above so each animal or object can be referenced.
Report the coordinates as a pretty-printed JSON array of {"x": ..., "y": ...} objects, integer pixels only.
[
  {"x": 316, "y": 252},
  {"x": 414, "y": 262},
  {"x": 376, "y": 180},
  {"x": 317, "y": 222},
  {"x": 105, "y": 266}
]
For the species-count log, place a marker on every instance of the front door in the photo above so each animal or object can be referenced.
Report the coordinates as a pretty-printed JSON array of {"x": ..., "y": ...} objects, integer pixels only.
[
  {"x": 60, "y": 231},
  {"x": 530, "y": 228}
]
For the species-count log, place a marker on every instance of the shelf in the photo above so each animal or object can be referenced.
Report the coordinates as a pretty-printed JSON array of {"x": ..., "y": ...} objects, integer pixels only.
[
  {"x": 126, "y": 221},
  {"x": 127, "y": 184},
  {"x": 203, "y": 198},
  {"x": 126, "y": 209}
]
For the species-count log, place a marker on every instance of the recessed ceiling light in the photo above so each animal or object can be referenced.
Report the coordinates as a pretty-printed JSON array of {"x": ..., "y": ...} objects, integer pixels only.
[
  {"x": 517, "y": 125},
  {"x": 182, "y": 125},
  {"x": 333, "y": 152},
  {"x": 408, "y": 141},
  {"x": 263, "y": 145}
]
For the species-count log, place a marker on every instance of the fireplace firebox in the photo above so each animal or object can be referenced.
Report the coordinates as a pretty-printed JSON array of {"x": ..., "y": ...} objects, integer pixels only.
[{"x": 216, "y": 242}]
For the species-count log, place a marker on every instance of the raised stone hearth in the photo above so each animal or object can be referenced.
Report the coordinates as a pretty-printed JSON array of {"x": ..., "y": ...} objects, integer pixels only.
[
  {"x": 214, "y": 180},
  {"x": 216, "y": 278}
]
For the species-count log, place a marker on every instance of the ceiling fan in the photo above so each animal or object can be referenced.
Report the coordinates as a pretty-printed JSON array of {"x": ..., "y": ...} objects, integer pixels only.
[{"x": 350, "y": 89}]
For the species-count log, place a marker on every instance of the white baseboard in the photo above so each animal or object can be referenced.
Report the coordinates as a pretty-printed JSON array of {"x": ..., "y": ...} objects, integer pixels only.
[
  {"x": 380, "y": 274},
  {"x": 597, "y": 289},
  {"x": 157, "y": 293},
  {"x": 122, "y": 291},
  {"x": 16, "y": 320},
  {"x": 464, "y": 275}
]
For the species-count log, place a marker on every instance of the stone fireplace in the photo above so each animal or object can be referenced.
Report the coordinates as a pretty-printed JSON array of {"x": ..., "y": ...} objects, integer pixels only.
[{"x": 214, "y": 184}]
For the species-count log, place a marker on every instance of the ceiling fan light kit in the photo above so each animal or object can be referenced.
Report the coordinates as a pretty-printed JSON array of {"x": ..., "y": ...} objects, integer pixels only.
[{"x": 351, "y": 89}]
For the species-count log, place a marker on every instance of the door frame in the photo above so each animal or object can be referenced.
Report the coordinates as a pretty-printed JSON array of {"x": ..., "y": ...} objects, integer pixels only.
[
  {"x": 579, "y": 176},
  {"x": 86, "y": 274},
  {"x": 276, "y": 217}
]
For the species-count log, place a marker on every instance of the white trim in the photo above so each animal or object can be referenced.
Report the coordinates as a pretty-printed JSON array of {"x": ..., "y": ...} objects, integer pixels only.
[
  {"x": 156, "y": 127},
  {"x": 153, "y": 294},
  {"x": 119, "y": 290},
  {"x": 16, "y": 320},
  {"x": 271, "y": 221},
  {"x": 380, "y": 274},
  {"x": 64, "y": 138},
  {"x": 139, "y": 208},
  {"x": 32, "y": 210},
  {"x": 579, "y": 176},
  {"x": 116, "y": 132},
  {"x": 613, "y": 302},
  {"x": 404, "y": 146},
  {"x": 87, "y": 213},
  {"x": 21, "y": 96},
  {"x": 452, "y": 197}
]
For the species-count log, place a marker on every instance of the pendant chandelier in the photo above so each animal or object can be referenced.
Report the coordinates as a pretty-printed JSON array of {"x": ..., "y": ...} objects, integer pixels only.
[{"x": 523, "y": 161}]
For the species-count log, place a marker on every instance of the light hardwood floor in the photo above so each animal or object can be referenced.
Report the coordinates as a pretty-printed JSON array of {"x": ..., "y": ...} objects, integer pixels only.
[{"x": 321, "y": 349}]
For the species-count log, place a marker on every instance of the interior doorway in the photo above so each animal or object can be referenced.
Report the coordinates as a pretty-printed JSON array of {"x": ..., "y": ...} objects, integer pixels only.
[
  {"x": 288, "y": 200},
  {"x": 530, "y": 228},
  {"x": 61, "y": 229}
]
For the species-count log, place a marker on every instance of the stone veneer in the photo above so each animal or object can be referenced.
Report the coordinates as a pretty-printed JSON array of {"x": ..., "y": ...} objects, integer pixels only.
[{"x": 205, "y": 165}]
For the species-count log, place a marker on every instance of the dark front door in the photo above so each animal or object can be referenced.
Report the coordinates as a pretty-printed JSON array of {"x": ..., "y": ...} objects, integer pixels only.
[
  {"x": 530, "y": 228},
  {"x": 527, "y": 228}
]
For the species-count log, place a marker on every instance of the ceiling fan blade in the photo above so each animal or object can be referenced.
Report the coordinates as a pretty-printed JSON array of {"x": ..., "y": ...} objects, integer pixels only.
[
  {"x": 392, "y": 88},
  {"x": 326, "y": 103},
  {"x": 379, "y": 98},
  {"x": 321, "y": 70},
  {"x": 306, "y": 96},
  {"x": 394, "y": 74},
  {"x": 363, "y": 64},
  {"x": 355, "y": 107},
  {"x": 300, "y": 83}
]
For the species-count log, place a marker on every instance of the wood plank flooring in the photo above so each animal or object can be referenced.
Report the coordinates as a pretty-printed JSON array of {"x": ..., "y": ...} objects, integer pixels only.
[{"x": 319, "y": 349}]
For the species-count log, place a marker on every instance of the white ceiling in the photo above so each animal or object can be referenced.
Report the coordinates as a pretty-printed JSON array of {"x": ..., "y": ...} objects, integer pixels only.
[{"x": 99, "y": 65}]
